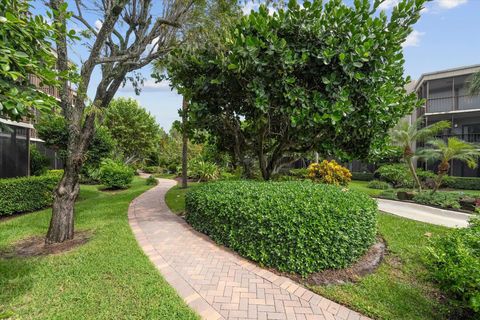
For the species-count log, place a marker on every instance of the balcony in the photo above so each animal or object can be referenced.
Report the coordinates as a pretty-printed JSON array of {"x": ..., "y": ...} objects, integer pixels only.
[
  {"x": 51, "y": 91},
  {"x": 469, "y": 137},
  {"x": 453, "y": 103}
]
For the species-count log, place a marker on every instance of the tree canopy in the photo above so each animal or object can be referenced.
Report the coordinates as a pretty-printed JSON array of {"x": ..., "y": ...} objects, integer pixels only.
[
  {"x": 25, "y": 50},
  {"x": 134, "y": 128},
  {"x": 325, "y": 77}
]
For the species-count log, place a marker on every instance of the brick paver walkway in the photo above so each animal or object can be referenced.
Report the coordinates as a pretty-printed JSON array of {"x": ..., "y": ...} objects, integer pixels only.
[{"x": 212, "y": 280}]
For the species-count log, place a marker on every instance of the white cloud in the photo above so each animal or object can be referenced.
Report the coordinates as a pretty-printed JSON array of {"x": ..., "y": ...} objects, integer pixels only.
[
  {"x": 388, "y": 4},
  {"x": 254, "y": 5},
  {"x": 271, "y": 10},
  {"x": 450, "y": 4},
  {"x": 249, "y": 6},
  {"x": 149, "y": 85},
  {"x": 98, "y": 24},
  {"x": 413, "y": 39}
]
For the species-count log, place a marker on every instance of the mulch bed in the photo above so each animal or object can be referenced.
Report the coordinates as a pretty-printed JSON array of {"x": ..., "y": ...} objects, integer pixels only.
[
  {"x": 367, "y": 264},
  {"x": 35, "y": 246}
]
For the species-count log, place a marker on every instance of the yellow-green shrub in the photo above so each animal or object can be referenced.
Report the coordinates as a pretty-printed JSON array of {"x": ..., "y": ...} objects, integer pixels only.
[{"x": 329, "y": 172}]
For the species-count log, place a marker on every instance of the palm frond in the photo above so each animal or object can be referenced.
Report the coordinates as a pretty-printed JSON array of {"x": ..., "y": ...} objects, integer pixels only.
[
  {"x": 400, "y": 133},
  {"x": 453, "y": 149},
  {"x": 432, "y": 130},
  {"x": 433, "y": 151},
  {"x": 474, "y": 87}
]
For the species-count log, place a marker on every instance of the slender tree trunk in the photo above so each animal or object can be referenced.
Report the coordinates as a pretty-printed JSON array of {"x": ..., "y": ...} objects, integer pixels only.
[
  {"x": 184, "y": 144},
  {"x": 443, "y": 168},
  {"x": 414, "y": 173}
]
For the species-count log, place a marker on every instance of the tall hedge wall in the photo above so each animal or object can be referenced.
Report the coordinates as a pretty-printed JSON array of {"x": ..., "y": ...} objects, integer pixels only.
[
  {"x": 26, "y": 193},
  {"x": 294, "y": 226}
]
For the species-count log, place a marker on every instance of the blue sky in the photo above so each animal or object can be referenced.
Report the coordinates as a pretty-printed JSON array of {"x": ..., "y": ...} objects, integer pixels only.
[{"x": 446, "y": 36}]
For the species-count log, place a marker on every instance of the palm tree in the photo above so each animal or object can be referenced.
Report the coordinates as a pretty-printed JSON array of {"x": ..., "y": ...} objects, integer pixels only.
[
  {"x": 453, "y": 149},
  {"x": 405, "y": 134}
]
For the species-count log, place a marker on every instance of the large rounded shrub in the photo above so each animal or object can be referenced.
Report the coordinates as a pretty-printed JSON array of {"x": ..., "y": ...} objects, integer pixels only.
[
  {"x": 294, "y": 226},
  {"x": 115, "y": 175}
]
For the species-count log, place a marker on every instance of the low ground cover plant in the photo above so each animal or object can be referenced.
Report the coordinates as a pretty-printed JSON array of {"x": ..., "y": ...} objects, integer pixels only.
[
  {"x": 454, "y": 261},
  {"x": 27, "y": 193},
  {"x": 377, "y": 184},
  {"x": 390, "y": 194},
  {"x": 294, "y": 226},
  {"x": 440, "y": 199},
  {"x": 151, "y": 181},
  {"x": 115, "y": 175},
  {"x": 329, "y": 172}
]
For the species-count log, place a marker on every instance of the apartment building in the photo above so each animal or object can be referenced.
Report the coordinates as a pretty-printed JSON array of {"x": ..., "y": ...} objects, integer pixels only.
[
  {"x": 447, "y": 97},
  {"x": 17, "y": 137}
]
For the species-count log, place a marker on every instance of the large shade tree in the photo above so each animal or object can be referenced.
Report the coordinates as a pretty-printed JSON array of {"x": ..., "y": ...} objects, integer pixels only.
[
  {"x": 134, "y": 129},
  {"x": 128, "y": 36},
  {"x": 321, "y": 76}
]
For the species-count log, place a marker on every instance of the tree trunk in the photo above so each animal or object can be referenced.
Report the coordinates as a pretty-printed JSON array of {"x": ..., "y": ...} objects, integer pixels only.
[
  {"x": 64, "y": 196},
  {"x": 443, "y": 168},
  {"x": 184, "y": 144},
  {"x": 62, "y": 222},
  {"x": 414, "y": 173}
]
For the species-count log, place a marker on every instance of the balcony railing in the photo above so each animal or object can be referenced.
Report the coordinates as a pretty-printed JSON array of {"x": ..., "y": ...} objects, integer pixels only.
[
  {"x": 469, "y": 137},
  {"x": 453, "y": 103},
  {"x": 52, "y": 91}
]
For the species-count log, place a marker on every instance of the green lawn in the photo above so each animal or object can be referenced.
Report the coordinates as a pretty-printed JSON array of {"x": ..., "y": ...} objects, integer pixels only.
[
  {"x": 175, "y": 197},
  {"x": 165, "y": 175},
  {"x": 107, "y": 278},
  {"x": 362, "y": 186}
]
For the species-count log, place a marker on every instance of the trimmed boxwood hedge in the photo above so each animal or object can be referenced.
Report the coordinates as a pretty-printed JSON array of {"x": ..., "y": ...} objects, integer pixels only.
[
  {"x": 362, "y": 176},
  {"x": 293, "y": 226},
  {"x": 462, "y": 183},
  {"x": 26, "y": 193}
]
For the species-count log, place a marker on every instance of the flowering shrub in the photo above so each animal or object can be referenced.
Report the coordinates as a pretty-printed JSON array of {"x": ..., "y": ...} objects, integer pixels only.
[{"x": 329, "y": 172}]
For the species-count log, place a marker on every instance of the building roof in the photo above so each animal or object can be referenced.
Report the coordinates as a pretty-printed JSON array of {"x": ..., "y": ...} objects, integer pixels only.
[
  {"x": 410, "y": 87},
  {"x": 460, "y": 71},
  {"x": 16, "y": 124}
]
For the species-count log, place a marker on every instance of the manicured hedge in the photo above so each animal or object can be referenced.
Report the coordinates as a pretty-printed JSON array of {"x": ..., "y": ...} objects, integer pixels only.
[
  {"x": 362, "y": 176},
  {"x": 462, "y": 183},
  {"x": 293, "y": 226},
  {"x": 26, "y": 193}
]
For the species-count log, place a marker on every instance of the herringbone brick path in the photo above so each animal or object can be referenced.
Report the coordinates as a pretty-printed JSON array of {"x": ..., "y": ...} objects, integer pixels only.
[{"x": 215, "y": 282}]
